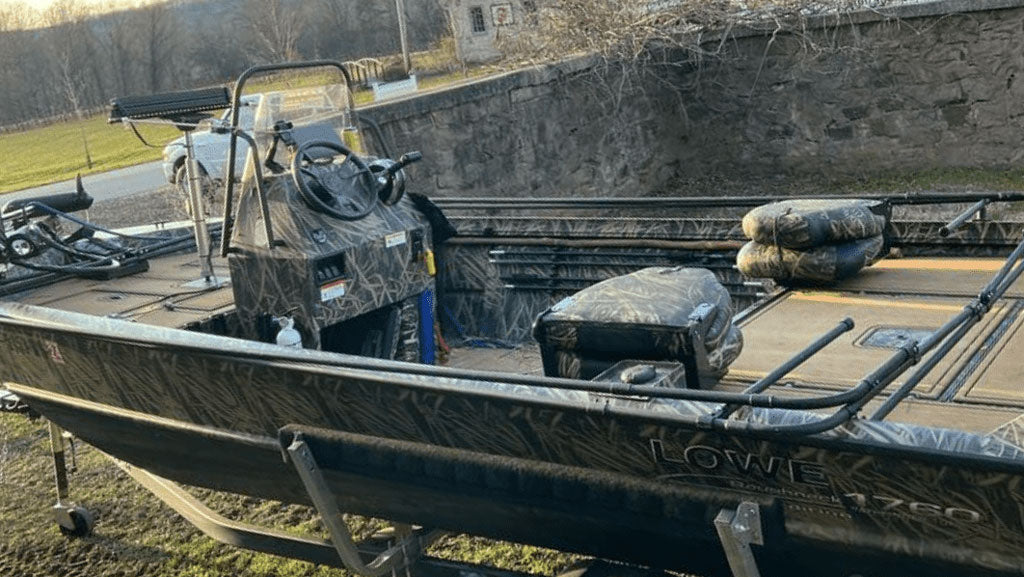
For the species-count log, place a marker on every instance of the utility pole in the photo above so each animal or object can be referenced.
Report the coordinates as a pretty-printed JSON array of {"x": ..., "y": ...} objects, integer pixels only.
[{"x": 402, "y": 32}]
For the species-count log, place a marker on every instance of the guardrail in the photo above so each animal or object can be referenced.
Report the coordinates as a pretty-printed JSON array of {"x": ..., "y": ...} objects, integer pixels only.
[{"x": 365, "y": 70}]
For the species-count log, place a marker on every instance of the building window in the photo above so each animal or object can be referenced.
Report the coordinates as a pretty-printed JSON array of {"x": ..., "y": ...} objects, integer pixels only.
[{"x": 476, "y": 18}]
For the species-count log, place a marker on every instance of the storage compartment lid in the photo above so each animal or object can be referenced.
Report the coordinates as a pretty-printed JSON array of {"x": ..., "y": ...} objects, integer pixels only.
[{"x": 651, "y": 297}]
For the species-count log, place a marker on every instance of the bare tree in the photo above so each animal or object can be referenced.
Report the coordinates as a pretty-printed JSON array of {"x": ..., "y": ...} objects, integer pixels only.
[
  {"x": 628, "y": 30},
  {"x": 276, "y": 26},
  {"x": 16, "y": 57},
  {"x": 72, "y": 51},
  {"x": 118, "y": 43},
  {"x": 67, "y": 34},
  {"x": 16, "y": 16},
  {"x": 157, "y": 28}
]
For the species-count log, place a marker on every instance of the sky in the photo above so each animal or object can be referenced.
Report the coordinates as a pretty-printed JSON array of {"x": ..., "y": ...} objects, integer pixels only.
[
  {"x": 40, "y": 6},
  {"x": 43, "y": 4}
]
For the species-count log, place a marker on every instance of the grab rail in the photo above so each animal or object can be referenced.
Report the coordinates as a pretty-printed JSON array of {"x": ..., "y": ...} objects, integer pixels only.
[{"x": 229, "y": 185}]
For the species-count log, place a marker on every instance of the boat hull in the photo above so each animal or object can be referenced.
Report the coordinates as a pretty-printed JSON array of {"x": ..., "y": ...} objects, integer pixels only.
[{"x": 506, "y": 461}]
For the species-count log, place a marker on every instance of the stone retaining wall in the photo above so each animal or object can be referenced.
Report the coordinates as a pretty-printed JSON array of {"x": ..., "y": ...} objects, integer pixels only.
[{"x": 918, "y": 88}]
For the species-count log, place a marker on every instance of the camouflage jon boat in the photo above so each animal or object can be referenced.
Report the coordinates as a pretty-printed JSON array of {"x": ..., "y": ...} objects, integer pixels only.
[{"x": 870, "y": 427}]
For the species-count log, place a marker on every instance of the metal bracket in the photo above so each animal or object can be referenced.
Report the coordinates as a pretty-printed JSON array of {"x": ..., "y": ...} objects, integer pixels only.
[
  {"x": 408, "y": 549},
  {"x": 63, "y": 511},
  {"x": 695, "y": 357},
  {"x": 738, "y": 529}
]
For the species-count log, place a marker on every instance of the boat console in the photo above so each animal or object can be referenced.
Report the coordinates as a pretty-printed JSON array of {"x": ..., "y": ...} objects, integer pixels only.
[{"x": 348, "y": 263}]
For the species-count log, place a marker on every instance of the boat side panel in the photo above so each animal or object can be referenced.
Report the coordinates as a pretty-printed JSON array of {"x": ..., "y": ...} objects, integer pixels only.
[
  {"x": 571, "y": 509},
  {"x": 868, "y": 488}
]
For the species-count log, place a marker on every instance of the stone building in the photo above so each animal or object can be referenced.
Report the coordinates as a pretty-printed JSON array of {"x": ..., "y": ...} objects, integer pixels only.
[{"x": 477, "y": 24}]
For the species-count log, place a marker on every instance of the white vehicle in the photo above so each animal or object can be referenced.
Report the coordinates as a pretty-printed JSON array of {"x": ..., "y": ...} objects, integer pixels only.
[{"x": 211, "y": 148}]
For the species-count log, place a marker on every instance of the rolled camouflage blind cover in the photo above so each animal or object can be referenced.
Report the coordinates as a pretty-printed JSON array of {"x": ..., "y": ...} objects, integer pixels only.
[
  {"x": 823, "y": 264},
  {"x": 810, "y": 223}
]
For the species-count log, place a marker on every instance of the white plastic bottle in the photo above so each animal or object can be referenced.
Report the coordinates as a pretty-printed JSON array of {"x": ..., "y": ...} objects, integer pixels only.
[{"x": 288, "y": 336}]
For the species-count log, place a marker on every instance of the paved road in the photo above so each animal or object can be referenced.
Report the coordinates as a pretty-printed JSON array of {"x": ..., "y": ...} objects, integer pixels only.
[{"x": 103, "y": 186}]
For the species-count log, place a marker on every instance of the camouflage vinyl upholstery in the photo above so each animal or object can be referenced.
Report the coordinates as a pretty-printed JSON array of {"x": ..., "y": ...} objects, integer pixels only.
[
  {"x": 821, "y": 265},
  {"x": 641, "y": 315},
  {"x": 810, "y": 223}
]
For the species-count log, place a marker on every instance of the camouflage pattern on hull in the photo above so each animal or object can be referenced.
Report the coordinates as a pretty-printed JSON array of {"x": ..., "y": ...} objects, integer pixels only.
[
  {"x": 985, "y": 238},
  {"x": 914, "y": 494},
  {"x": 325, "y": 270},
  {"x": 619, "y": 226},
  {"x": 495, "y": 291}
]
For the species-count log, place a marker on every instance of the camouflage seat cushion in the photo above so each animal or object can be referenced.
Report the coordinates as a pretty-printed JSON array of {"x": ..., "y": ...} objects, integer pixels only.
[
  {"x": 820, "y": 265},
  {"x": 809, "y": 223},
  {"x": 641, "y": 315}
]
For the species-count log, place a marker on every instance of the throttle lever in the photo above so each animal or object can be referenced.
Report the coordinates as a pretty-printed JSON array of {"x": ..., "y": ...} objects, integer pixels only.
[{"x": 407, "y": 159}]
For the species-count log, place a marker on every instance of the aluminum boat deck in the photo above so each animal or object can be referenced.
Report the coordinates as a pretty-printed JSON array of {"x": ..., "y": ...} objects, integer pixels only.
[{"x": 976, "y": 388}]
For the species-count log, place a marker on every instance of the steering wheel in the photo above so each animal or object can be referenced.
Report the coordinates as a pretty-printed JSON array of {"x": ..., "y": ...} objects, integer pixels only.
[{"x": 321, "y": 199}]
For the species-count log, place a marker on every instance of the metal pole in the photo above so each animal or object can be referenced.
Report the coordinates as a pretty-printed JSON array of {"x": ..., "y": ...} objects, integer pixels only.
[
  {"x": 195, "y": 197},
  {"x": 402, "y": 33}
]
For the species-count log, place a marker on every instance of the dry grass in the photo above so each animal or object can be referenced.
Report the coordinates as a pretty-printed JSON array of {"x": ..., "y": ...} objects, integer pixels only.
[{"x": 136, "y": 535}]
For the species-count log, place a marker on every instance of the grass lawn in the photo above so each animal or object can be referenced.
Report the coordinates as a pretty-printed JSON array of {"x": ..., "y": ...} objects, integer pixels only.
[
  {"x": 137, "y": 535},
  {"x": 57, "y": 152}
]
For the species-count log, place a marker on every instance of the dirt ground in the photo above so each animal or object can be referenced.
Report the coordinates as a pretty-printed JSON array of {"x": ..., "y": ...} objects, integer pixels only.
[{"x": 135, "y": 534}]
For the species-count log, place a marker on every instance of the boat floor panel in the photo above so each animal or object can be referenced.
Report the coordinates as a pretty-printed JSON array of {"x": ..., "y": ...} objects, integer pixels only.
[
  {"x": 160, "y": 296},
  {"x": 1001, "y": 376},
  {"x": 522, "y": 360},
  {"x": 936, "y": 276},
  {"x": 882, "y": 324}
]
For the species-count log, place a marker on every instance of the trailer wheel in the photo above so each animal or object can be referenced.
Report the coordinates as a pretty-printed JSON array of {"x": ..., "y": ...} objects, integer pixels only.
[{"x": 83, "y": 521}]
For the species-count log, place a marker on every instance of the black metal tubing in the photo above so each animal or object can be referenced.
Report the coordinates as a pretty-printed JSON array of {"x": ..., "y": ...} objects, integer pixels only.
[
  {"x": 846, "y": 325},
  {"x": 710, "y": 201},
  {"x": 994, "y": 290},
  {"x": 904, "y": 358},
  {"x": 31, "y": 281},
  {"x": 67, "y": 202},
  {"x": 1007, "y": 283},
  {"x": 967, "y": 214},
  {"x": 378, "y": 134},
  {"x": 910, "y": 384},
  {"x": 229, "y": 186}
]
